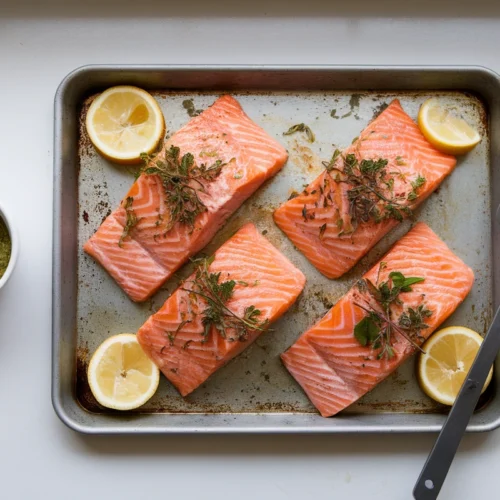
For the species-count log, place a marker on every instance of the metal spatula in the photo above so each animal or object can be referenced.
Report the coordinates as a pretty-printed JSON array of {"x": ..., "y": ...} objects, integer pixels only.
[{"x": 436, "y": 468}]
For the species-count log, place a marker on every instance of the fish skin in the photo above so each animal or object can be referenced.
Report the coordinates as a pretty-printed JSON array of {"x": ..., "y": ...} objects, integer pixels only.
[
  {"x": 224, "y": 132},
  {"x": 265, "y": 279},
  {"x": 332, "y": 367},
  {"x": 394, "y": 136}
]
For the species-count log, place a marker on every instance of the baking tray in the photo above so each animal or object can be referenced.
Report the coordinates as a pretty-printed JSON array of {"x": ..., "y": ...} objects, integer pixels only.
[{"x": 254, "y": 392}]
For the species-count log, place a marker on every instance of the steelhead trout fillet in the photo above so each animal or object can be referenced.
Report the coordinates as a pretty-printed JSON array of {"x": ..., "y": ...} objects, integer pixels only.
[
  {"x": 330, "y": 361},
  {"x": 364, "y": 192},
  {"x": 177, "y": 338},
  {"x": 155, "y": 230}
]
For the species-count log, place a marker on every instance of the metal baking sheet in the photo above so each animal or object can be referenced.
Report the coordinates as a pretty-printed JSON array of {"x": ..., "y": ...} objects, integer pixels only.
[{"x": 254, "y": 392}]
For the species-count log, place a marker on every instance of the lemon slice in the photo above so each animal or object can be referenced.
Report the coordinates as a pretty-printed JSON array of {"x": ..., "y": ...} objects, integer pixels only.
[
  {"x": 124, "y": 122},
  {"x": 445, "y": 131},
  {"x": 449, "y": 354},
  {"x": 120, "y": 375}
]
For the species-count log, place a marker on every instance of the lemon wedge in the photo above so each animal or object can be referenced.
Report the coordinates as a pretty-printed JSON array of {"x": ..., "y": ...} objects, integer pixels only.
[
  {"x": 449, "y": 354},
  {"x": 120, "y": 375},
  {"x": 124, "y": 122},
  {"x": 445, "y": 131}
]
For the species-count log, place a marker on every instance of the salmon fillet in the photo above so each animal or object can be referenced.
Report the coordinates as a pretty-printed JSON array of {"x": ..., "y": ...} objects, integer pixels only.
[
  {"x": 317, "y": 220},
  {"x": 264, "y": 278},
  {"x": 149, "y": 255},
  {"x": 332, "y": 367}
]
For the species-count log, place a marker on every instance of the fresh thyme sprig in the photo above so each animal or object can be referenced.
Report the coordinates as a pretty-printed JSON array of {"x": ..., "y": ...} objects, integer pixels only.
[
  {"x": 301, "y": 127},
  {"x": 416, "y": 185},
  {"x": 376, "y": 329},
  {"x": 131, "y": 219},
  {"x": 208, "y": 287},
  {"x": 371, "y": 194},
  {"x": 172, "y": 334},
  {"x": 182, "y": 182}
]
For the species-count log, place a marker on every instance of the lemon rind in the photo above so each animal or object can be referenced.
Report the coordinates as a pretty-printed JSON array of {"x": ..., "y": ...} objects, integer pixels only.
[
  {"x": 114, "y": 155},
  {"x": 426, "y": 385},
  {"x": 112, "y": 403}
]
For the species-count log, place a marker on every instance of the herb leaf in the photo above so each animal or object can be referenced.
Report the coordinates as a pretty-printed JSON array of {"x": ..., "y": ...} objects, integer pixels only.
[
  {"x": 171, "y": 335},
  {"x": 301, "y": 127},
  {"x": 376, "y": 329},
  {"x": 413, "y": 320},
  {"x": 225, "y": 289},
  {"x": 416, "y": 185},
  {"x": 208, "y": 287},
  {"x": 322, "y": 230},
  {"x": 188, "y": 105},
  {"x": 367, "y": 199},
  {"x": 182, "y": 182},
  {"x": 404, "y": 284},
  {"x": 329, "y": 166},
  {"x": 371, "y": 193},
  {"x": 366, "y": 331},
  {"x": 131, "y": 220},
  {"x": 186, "y": 163}
]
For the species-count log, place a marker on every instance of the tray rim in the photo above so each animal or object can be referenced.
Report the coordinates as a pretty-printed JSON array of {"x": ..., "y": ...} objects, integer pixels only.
[{"x": 220, "y": 423}]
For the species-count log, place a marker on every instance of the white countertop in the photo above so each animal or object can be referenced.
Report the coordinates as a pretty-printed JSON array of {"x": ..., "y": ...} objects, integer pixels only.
[{"x": 39, "y": 45}]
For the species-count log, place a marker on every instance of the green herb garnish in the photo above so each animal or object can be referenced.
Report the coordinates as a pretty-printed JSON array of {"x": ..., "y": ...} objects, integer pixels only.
[
  {"x": 182, "y": 181},
  {"x": 171, "y": 335},
  {"x": 371, "y": 195},
  {"x": 416, "y": 185},
  {"x": 301, "y": 127},
  {"x": 189, "y": 107},
  {"x": 308, "y": 215},
  {"x": 131, "y": 219},
  {"x": 208, "y": 287},
  {"x": 331, "y": 164},
  {"x": 376, "y": 329},
  {"x": 304, "y": 213}
]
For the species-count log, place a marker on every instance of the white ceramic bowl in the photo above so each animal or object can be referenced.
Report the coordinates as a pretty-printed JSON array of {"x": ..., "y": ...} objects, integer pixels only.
[{"x": 15, "y": 246}]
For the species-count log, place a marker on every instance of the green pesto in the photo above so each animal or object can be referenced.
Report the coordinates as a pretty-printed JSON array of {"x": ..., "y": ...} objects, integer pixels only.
[{"x": 5, "y": 247}]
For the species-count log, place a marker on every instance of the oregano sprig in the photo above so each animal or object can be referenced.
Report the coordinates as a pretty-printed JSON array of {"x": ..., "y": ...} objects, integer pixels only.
[{"x": 377, "y": 327}]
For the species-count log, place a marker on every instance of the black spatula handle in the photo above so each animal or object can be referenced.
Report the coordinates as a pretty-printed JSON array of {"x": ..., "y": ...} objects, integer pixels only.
[{"x": 440, "y": 458}]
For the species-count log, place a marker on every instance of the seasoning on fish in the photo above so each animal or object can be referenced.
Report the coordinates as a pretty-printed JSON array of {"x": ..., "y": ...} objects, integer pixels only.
[
  {"x": 219, "y": 159},
  {"x": 337, "y": 361},
  {"x": 364, "y": 192},
  {"x": 220, "y": 309}
]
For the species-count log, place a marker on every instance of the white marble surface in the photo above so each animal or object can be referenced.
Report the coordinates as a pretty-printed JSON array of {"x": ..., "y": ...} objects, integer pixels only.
[{"x": 39, "y": 44}]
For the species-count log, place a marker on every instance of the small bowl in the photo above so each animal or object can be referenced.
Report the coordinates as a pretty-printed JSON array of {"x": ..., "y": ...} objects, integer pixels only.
[{"x": 15, "y": 246}]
